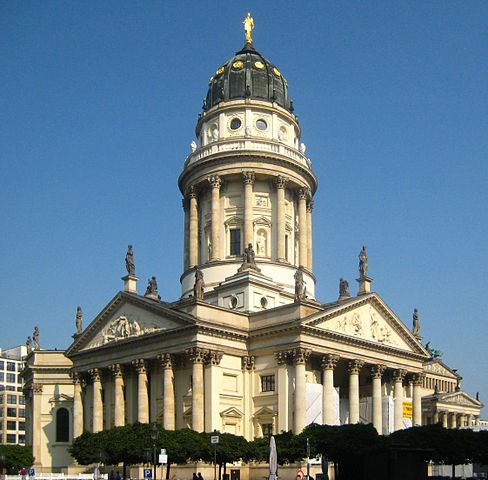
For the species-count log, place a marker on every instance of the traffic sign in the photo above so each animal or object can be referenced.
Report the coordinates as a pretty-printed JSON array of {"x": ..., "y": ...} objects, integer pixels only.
[
  {"x": 148, "y": 473},
  {"x": 214, "y": 439},
  {"x": 163, "y": 451},
  {"x": 300, "y": 475},
  {"x": 32, "y": 472},
  {"x": 163, "y": 459}
]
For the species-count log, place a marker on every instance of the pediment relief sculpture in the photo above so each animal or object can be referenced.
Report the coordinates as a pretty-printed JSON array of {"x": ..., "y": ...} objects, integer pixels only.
[{"x": 438, "y": 369}]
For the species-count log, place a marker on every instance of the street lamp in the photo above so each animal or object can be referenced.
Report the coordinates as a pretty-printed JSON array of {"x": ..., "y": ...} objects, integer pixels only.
[{"x": 154, "y": 432}]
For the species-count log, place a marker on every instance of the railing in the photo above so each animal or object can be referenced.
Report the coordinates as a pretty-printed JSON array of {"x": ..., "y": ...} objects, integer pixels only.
[
  {"x": 54, "y": 476},
  {"x": 248, "y": 145}
]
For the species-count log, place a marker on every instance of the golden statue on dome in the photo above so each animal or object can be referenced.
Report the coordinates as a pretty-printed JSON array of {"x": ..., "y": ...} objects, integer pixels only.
[{"x": 248, "y": 27}]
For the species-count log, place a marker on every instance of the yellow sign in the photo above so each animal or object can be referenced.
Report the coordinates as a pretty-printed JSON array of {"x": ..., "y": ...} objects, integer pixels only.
[{"x": 407, "y": 409}]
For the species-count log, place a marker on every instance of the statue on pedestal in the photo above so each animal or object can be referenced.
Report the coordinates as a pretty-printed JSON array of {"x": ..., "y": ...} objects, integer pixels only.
[
  {"x": 79, "y": 321},
  {"x": 416, "y": 322},
  {"x": 129, "y": 261},
  {"x": 152, "y": 289},
  {"x": 199, "y": 285},
  {"x": 344, "y": 288},
  {"x": 363, "y": 263},
  {"x": 300, "y": 288},
  {"x": 35, "y": 339},
  {"x": 249, "y": 260},
  {"x": 28, "y": 344}
]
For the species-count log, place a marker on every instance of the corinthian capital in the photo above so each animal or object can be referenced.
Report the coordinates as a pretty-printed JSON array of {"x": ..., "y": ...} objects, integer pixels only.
[
  {"x": 282, "y": 357},
  {"x": 197, "y": 355},
  {"x": 399, "y": 375},
  {"x": 116, "y": 370},
  {"x": 355, "y": 366},
  {"x": 280, "y": 181},
  {"x": 377, "y": 371},
  {"x": 418, "y": 378},
  {"x": 166, "y": 359},
  {"x": 329, "y": 361},
  {"x": 36, "y": 388},
  {"x": 192, "y": 192},
  {"x": 310, "y": 205},
  {"x": 248, "y": 177},
  {"x": 215, "y": 181},
  {"x": 95, "y": 374},
  {"x": 140, "y": 365},
  {"x": 213, "y": 357},
  {"x": 247, "y": 363},
  {"x": 300, "y": 355}
]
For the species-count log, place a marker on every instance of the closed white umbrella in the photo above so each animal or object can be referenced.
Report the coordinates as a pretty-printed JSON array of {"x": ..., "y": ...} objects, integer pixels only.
[{"x": 273, "y": 459}]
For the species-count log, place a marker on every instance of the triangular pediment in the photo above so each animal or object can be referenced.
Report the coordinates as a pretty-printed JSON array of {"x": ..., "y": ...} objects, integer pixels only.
[
  {"x": 458, "y": 398},
  {"x": 231, "y": 412},
  {"x": 265, "y": 412},
  {"x": 437, "y": 367},
  {"x": 125, "y": 318},
  {"x": 368, "y": 319},
  {"x": 59, "y": 398}
]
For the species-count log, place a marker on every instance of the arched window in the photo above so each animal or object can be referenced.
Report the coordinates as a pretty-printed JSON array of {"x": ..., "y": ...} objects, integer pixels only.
[{"x": 62, "y": 425}]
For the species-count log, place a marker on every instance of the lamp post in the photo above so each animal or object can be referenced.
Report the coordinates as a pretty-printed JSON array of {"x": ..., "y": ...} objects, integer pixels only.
[{"x": 154, "y": 431}]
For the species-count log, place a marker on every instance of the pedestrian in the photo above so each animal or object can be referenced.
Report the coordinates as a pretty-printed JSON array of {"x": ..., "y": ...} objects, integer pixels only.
[
  {"x": 199, "y": 476},
  {"x": 118, "y": 476},
  {"x": 194, "y": 476}
]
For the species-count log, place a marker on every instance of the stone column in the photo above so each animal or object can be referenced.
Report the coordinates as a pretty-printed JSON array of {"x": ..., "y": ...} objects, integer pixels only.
[
  {"x": 309, "y": 233},
  {"x": 328, "y": 364},
  {"x": 453, "y": 420},
  {"x": 215, "y": 183},
  {"x": 283, "y": 391},
  {"x": 97, "y": 418},
  {"x": 36, "y": 422},
  {"x": 354, "y": 367},
  {"x": 462, "y": 420},
  {"x": 186, "y": 235},
  {"x": 247, "y": 366},
  {"x": 77, "y": 406},
  {"x": 398, "y": 376},
  {"x": 197, "y": 356},
  {"x": 300, "y": 356},
  {"x": 376, "y": 374},
  {"x": 167, "y": 363},
  {"x": 302, "y": 227},
  {"x": 435, "y": 418},
  {"x": 417, "y": 399},
  {"x": 213, "y": 385},
  {"x": 477, "y": 420},
  {"x": 142, "y": 391},
  {"x": 280, "y": 184},
  {"x": 248, "y": 179},
  {"x": 470, "y": 420},
  {"x": 193, "y": 228},
  {"x": 444, "y": 419},
  {"x": 119, "y": 401}
]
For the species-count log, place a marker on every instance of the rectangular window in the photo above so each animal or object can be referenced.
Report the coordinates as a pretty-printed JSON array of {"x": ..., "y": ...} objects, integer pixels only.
[
  {"x": 267, "y": 429},
  {"x": 267, "y": 383},
  {"x": 11, "y": 425},
  {"x": 11, "y": 377},
  {"x": 22, "y": 439},
  {"x": 12, "y": 399},
  {"x": 2, "y": 377},
  {"x": 2, "y": 365},
  {"x": 11, "y": 366},
  {"x": 10, "y": 388},
  {"x": 21, "y": 400},
  {"x": 11, "y": 438},
  {"x": 21, "y": 425},
  {"x": 286, "y": 248},
  {"x": 11, "y": 412},
  {"x": 235, "y": 241},
  {"x": 22, "y": 412}
]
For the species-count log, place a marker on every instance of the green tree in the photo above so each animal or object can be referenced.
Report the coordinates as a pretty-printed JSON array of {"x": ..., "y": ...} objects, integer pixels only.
[{"x": 15, "y": 458}]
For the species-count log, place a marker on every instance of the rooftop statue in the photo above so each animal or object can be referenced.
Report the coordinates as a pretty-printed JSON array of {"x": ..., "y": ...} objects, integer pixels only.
[
  {"x": 248, "y": 27},
  {"x": 416, "y": 322},
  {"x": 363, "y": 263},
  {"x": 28, "y": 344},
  {"x": 129, "y": 261},
  {"x": 79, "y": 320},
  {"x": 344, "y": 288},
  {"x": 300, "y": 288},
  {"x": 152, "y": 288},
  {"x": 35, "y": 339}
]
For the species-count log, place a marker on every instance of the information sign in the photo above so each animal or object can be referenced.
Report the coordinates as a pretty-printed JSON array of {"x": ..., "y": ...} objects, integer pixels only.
[
  {"x": 148, "y": 473},
  {"x": 163, "y": 459},
  {"x": 214, "y": 439},
  {"x": 407, "y": 409}
]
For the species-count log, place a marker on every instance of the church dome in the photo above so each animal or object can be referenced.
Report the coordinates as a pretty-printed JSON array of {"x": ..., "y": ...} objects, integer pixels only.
[{"x": 248, "y": 75}]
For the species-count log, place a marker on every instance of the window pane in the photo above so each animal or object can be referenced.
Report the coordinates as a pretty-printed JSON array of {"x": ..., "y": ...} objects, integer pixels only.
[
  {"x": 11, "y": 438},
  {"x": 11, "y": 377},
  {"x": 267, "y": 383},
  {"x": 62, "y": 425},
  {"x": 11, "y": 412},
  {"x": 11, "y": 425},
  {"x": 11, "y": 366},
  {"x": 235, "y": 241}
]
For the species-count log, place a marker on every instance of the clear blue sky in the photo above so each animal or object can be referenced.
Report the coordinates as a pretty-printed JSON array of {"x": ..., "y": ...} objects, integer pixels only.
[{"x": 98, "y": 106}]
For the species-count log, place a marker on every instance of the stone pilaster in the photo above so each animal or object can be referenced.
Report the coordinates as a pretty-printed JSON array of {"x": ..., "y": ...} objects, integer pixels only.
[
  {"x": 119, "y": 401},
  {"x": 186, "y": 234},
  {"x": 417, "y": 381},
  {"x": 36, "y": 422},
  {"x": 328, "y": 364},
  {"x": 213, "y": 385},
  {"x": 142, "y": 390},
  {"x": 398, "y": 376},
  {"x": 197, "y": 357},
  {"x": 193, "y": 228},
  {"x": 97, "y": 417},
  {"x": 77, "y": 405},
  {"x": 248, "y": 179},
  {"x": 309, "y": 233},
  {"x": 300, "y": 357},
  {"x": 283, "y": 391},
  {"x": 302, "y": 227},
  {"x": 376, "y": 375},
  {"x": 354, "y": 367},
  {"x": 167, "y": 364},
  {"x": 215, "y": 183},
  {"x": 280, "y": 184}
]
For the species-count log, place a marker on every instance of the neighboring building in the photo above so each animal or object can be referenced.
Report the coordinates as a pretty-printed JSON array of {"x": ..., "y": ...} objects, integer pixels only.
[
  {"x": 248, "y": 348},
  {"x": 12, "y": 404}
]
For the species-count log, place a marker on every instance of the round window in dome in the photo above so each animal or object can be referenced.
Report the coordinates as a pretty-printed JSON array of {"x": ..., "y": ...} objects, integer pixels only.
[
  {"x": 259, "y": 65},
  {"x": 238, "y": 65},
  {"x": 235, "y": 123},
  {"x": 261, "y": 124}
]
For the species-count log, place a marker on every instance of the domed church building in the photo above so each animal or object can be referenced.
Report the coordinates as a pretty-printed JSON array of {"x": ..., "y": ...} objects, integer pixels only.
[{"x": 247, "y": 349}]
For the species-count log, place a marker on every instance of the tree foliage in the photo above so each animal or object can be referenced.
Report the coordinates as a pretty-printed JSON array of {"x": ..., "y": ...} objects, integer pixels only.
[{"x": 15, "y": 458}]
